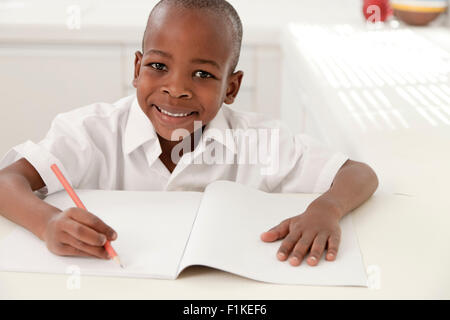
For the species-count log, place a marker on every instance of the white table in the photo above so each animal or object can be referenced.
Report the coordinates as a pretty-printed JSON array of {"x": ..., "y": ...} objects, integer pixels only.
[{"x": 404, "y": 241}]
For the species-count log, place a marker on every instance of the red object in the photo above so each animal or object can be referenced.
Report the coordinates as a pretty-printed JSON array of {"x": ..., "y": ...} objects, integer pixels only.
[
  {"x": 79, "y": 204},
  {"x": 376, "y": 10}
]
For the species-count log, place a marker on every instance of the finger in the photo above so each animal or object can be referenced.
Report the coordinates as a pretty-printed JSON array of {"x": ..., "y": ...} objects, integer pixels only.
[
  {"x": 278, "y": 232},
  {"x": 84, "y": 233},
  {"x": 98, "y": 252},
  {"x": 63, "y": 249},
  {"x": 92, "y": 221},
  {"x": 301, "y": 248},
  {"x": 317, "y": 248},
  {"x": 287, "y": 245},
  {"x": 333, "y": 246}
]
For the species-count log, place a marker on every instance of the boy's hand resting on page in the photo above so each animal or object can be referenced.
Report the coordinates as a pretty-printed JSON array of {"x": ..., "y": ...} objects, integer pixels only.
[
  {"x": 318, "y": 227},
  {"x": 77, "y": 232},
  {"x": 313, "y": 231}
]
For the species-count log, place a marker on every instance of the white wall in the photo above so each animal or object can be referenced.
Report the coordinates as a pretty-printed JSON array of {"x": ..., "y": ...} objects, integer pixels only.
[{"x": 47, "y": 68}]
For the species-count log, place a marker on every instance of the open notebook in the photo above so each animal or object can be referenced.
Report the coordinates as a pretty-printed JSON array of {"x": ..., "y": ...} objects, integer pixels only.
[{"x": 162, "y": 233}]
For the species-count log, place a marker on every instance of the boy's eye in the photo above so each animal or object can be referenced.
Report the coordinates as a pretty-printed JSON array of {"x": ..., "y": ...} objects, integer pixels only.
[
  {"x": 203, "y": 74},
  {"x": 158, "y": 66}
]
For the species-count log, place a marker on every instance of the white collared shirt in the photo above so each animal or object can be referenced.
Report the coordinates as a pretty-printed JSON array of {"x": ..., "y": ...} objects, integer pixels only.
[{"x": 115, "y": 147}]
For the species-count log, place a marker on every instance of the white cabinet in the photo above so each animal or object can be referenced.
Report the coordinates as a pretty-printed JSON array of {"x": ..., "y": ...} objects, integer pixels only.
[
  {"x": 40, "y": 81},
  {"x": 268, "y": 62}
]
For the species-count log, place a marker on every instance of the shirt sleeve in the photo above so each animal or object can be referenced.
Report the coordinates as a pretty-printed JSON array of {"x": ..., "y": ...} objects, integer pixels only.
[
  {"x": 65, "y": 145},
  {"x": 306, "y": 165}
]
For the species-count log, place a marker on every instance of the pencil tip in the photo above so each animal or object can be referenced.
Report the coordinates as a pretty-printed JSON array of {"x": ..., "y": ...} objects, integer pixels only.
[{"x": 117, "y": 260}]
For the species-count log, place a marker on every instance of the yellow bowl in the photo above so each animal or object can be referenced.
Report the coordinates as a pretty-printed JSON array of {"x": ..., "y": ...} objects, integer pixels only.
[
  {"x": 418, "y": 13},
  {"x": 416, "y": 18}
]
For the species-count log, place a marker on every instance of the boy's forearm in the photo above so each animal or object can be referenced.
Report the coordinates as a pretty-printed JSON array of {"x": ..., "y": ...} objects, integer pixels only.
[
  {"x": 19, "y": 204},
  {"x": 354, "y": 183}
]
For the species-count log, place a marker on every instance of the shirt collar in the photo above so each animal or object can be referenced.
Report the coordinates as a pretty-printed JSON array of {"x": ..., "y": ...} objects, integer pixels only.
[
  {"x": 139, "y": 129},
  {"x": 219, "y": 130}
]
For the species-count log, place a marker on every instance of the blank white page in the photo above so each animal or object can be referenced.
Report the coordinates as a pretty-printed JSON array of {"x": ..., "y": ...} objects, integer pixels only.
[
  {"x": 227, "y": 231},
  {"x": 152, "y": 227}
]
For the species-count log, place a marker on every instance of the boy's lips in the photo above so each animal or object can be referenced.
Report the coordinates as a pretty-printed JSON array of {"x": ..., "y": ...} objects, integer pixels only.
[
  {"x": 174, "y": 111},
  {"x": 173, "y": 116}
]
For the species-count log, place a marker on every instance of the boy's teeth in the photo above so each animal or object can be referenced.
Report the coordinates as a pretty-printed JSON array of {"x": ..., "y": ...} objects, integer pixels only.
[{"x": 173, "y": 114}]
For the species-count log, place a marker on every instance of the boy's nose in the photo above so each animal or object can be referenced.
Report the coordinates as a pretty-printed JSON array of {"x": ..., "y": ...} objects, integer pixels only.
[
  {"x": 178, "y": 93},
  {"x": 176, "y": 89}
]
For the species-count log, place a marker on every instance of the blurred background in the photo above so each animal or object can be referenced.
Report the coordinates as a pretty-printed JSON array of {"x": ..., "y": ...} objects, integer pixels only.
[{"x": 369, "y": 77}]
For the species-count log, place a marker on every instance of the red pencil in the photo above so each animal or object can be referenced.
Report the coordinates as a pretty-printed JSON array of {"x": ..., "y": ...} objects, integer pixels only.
[{"x": 112, "y": 254}]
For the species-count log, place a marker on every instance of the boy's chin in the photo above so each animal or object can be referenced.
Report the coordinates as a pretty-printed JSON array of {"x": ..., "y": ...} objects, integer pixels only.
[{"x": 174, "y": 135}]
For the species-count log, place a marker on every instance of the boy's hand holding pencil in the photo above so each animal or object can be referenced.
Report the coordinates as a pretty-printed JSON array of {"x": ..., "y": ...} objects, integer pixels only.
[{"x": 77, "y": 232}]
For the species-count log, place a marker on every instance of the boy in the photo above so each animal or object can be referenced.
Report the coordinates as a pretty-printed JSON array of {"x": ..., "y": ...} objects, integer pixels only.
[{"x": 186, "y": 71}]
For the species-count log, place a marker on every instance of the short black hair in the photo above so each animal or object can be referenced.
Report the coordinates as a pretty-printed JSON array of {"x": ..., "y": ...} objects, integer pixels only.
[{"x": 220, "y": 7}]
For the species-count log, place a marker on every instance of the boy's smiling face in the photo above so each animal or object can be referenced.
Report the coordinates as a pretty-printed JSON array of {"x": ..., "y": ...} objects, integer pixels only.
[{"x": 184, "y": 74}]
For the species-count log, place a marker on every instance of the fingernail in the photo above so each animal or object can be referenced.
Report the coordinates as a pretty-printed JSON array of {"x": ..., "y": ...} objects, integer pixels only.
[
  {"x": 330, "y": 256},
  {"x": 103, "y": 239},
  {"x": 312, "y": 259},
  {"x": 114, "y": 236},
  {"x": 281, "y": 255},
  {"x": 294, "y": 261}
]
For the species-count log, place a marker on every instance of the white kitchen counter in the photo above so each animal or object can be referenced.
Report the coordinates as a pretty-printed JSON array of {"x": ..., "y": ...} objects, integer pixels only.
[{"x": 381, "y": 96}]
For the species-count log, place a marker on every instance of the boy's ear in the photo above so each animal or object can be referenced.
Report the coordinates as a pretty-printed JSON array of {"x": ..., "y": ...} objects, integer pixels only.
[
  {"x": 137, "y": 67},
  {"x": 234, "y": 84}
]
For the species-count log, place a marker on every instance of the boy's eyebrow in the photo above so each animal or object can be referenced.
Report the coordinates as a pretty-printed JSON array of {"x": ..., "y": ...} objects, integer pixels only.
[
  {"x": 205, "y": 61},
  {"x": 197, "y": 60},
  {"x": 158, "y": 52}
]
